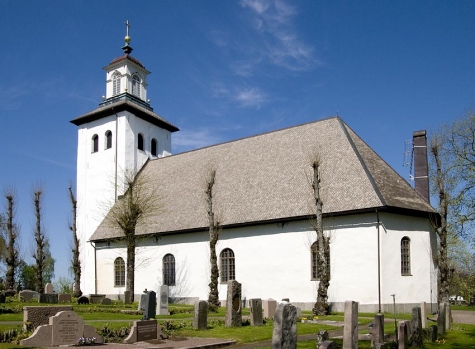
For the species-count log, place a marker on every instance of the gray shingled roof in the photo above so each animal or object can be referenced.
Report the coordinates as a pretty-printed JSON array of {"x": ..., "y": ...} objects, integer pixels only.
[{"x": 267, "y": 178}]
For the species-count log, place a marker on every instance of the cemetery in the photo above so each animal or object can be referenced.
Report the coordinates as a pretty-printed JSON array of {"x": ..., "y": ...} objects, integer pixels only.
[{"x": 154, "y": 322}]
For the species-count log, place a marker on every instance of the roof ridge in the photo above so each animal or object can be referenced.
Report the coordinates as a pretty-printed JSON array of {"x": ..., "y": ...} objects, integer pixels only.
[{"x": 368, "y": 173}]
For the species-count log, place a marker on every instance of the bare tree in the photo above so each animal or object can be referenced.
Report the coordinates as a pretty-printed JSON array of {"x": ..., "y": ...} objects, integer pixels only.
[
  {"x": 321, "y": 306},
  {"x": 213, "y": 296},
  {"x": 133, "y": 209},
  {"x": 12, "y": 258},
  {"x": 75, "y": 263},
  {"x": 39, "y": 255}
]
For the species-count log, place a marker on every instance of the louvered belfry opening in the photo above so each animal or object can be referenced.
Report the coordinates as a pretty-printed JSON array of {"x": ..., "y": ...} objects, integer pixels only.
[{"x": 421, "y": 168}]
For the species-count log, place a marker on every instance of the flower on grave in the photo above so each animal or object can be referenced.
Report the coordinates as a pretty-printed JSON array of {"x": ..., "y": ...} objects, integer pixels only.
[
  {"x": 87, "y": 341},
  {"x": 304, "y": 318},
  {"x": 315, "y": 317}
]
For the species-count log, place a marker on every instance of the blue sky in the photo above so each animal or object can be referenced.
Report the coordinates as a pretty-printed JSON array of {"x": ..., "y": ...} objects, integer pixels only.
[{"x": 223, "y": 70}]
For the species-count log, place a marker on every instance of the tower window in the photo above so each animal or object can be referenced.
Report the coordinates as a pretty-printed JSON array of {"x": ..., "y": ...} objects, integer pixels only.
[
  {"x": 136, "y": 85},
  {"x": 108, "y": 139},
  {"x": 119, "y": 272},
  {"x": 227, "y": 271},
  {"x": 169, "y": 270},
  {"x": 405, "y": 256},
  {"x": 116, "y": 83},
  {"x": 140, "y": 142},
  {"x": 95, "y": 144},
  {"x": 154, "y": 147}
]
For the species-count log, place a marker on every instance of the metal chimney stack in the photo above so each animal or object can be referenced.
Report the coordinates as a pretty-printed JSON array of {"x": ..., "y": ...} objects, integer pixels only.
[{"x": 421, "y": 167}]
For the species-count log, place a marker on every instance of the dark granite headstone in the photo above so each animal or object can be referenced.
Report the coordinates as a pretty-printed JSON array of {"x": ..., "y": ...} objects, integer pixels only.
[
  {"x": 328, "y": 345},
  {"x": 3, "y": 298},
  {"x": 83, "y": 300},
  {"x": 48, "y": 298},
  {"x": 150, "y": 306},
  {"x": 416, "y": 324},
  {"x": 432, "y": 333},
  {"x": 284, "y": 334}
]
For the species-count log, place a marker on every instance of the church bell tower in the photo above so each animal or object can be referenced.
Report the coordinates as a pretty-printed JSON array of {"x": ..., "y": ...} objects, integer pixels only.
[{"x": 117, "y": 137}]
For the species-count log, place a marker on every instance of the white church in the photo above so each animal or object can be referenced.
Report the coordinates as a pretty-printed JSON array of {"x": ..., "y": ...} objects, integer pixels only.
[{"x": 382, "y": 240}]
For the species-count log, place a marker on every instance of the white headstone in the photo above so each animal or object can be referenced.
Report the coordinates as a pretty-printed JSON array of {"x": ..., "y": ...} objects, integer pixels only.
[
  {"x": 163, "y": 301},
  {"x": 49, "y": 288}
]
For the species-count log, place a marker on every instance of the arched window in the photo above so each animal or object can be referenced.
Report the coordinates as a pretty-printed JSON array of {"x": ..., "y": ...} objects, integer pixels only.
[
  {"x": 140, "y": 142},
  {"x": 168, "y": 267},
  {"x": 314, "y": 261},
  {"x": 136, "y": 85},
  {"x": 119, "y": 272},
  {"x": 154, "y": 147},
  {"x": 227, "y": 271},
  {"x": 108, "y": 139},
  {"x": 95, "y": 144},
  {"x": 116, "y": 83},
  {"x": 405, "y": 256}
]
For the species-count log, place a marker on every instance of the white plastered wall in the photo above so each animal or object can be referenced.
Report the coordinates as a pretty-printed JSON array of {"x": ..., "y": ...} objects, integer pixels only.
[{"x": 273, "y": 261}]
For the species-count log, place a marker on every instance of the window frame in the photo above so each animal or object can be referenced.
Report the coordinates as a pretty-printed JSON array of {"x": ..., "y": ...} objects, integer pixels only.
[
  {"x": 227, "y": 262},
  {"x": 168, "y": 270},
  {"x": 119, "y": 272},
  {"x": 154, "y": 147},
  {"x": 313, "y": 262},
  {"x": 108, "y": 140},
  {"x": 116, "y": 77},
  {"x": 140, "y": 142},
  {"x": 136, "y": 82},
  {"x": 95, "y": 143},
  {"x": 406, "y": 256}
]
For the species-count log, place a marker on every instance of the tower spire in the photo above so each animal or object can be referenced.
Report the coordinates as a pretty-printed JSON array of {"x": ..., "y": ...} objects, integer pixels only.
[{"x": 127, "y": 48}]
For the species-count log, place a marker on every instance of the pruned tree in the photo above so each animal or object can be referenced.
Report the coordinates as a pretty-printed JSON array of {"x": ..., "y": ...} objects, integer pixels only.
[
  {"x": 75, "y": 263},
  {"x": 321, "y": 306},
  {"x": 12, "y": 253},
  {"x": 40, "y": 239},
  {"x": 213, "y": 296},
  {"x": 134, "y": 208}
]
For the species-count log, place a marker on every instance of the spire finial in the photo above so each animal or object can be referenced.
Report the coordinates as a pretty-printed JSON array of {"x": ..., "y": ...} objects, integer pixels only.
[{"x": 127, "y": 49}]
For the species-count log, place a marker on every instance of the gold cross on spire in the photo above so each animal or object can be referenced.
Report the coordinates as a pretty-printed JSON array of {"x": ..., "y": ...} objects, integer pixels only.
[{"x": 127, "y": 37}]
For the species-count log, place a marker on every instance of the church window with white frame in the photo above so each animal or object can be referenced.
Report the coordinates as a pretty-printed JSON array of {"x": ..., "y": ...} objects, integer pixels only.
[
  {"x": 228, "y": 267},
  {"x": 95, "y": 144},
  {"x": 168, "y": 267},
  {"x": 119, "y": 272},
  {"x": 140, "y": 142},
  {"x": 116, "y": 77},
  {"x": 153, "y": 147},
  {"x": 136, "y": 85},
  {"x": 314, "y": 263},
  {"x": 108, "y": 144},
  {"x": 405, "y": 256}
]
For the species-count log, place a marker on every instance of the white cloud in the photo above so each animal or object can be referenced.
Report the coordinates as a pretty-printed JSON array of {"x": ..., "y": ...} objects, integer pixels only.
[
  {"x": 250, "y": 97},
  {"x": 281, "y": 45},
  {"x": 188, "y": 140}
]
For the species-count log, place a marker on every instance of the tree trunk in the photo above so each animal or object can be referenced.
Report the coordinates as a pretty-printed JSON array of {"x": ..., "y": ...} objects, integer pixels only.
[
  {"x": 130, "y": 277},
  {"x": 321, "y": 306},
  {"x": 39, "y": 237},
  {"x": 213, "y": 297},
  {"x": 76, "y": 264},
  {"x": 12, "y": 255}
]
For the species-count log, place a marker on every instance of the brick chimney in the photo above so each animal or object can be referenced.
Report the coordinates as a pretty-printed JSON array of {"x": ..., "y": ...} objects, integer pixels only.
[{"x": 421, "y": 168}]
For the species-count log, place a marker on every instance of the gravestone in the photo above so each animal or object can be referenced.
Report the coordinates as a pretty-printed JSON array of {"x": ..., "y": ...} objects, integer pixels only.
[
  {"x": 83, "y": 300},
  {"x": 9, "y": 292},
  {"x": 64, "y": 328},
  {"x": 106, "y": 301},
  {"x": 285, "y": 300},
  {"x": 38, "y": 315},
  {"x": 64, "y": 298},
  {"x": 233, "y": 305},
  {"x": 403, "y": 335},
  {"x": 142, "y": 300},
  {"x": 49, "y": 288},
  {"x": 423, "y": 315},
  {"x": 441, "y": 318},
  {"x": 448, "y": 316},
  {"x": 127, "y": 297},
  {"x": 150, "y": 306},
  {"x": 163, "y": 306},
  {"x": 200, "y": 319},
  {"x": 3, "y": 298},
  {"x": 322, "y": 336},
  {"x": 377, "y": 335},
  {"x": 269, "y": 306},
  {"x": 144, "y": 330},
  {"x": 350, "y": 329},
  {"x": 328, "y": 345},
  {"x": 51, "y": 298},
  {"x": 26, "y": 295},
  {"x": 416, "y": 326},
  {"x": 284, "y": 334},
  {"x": 432, "y": 332},
  {"x": 96, "y": 298},
  {"x": 255, "y": 306}
]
